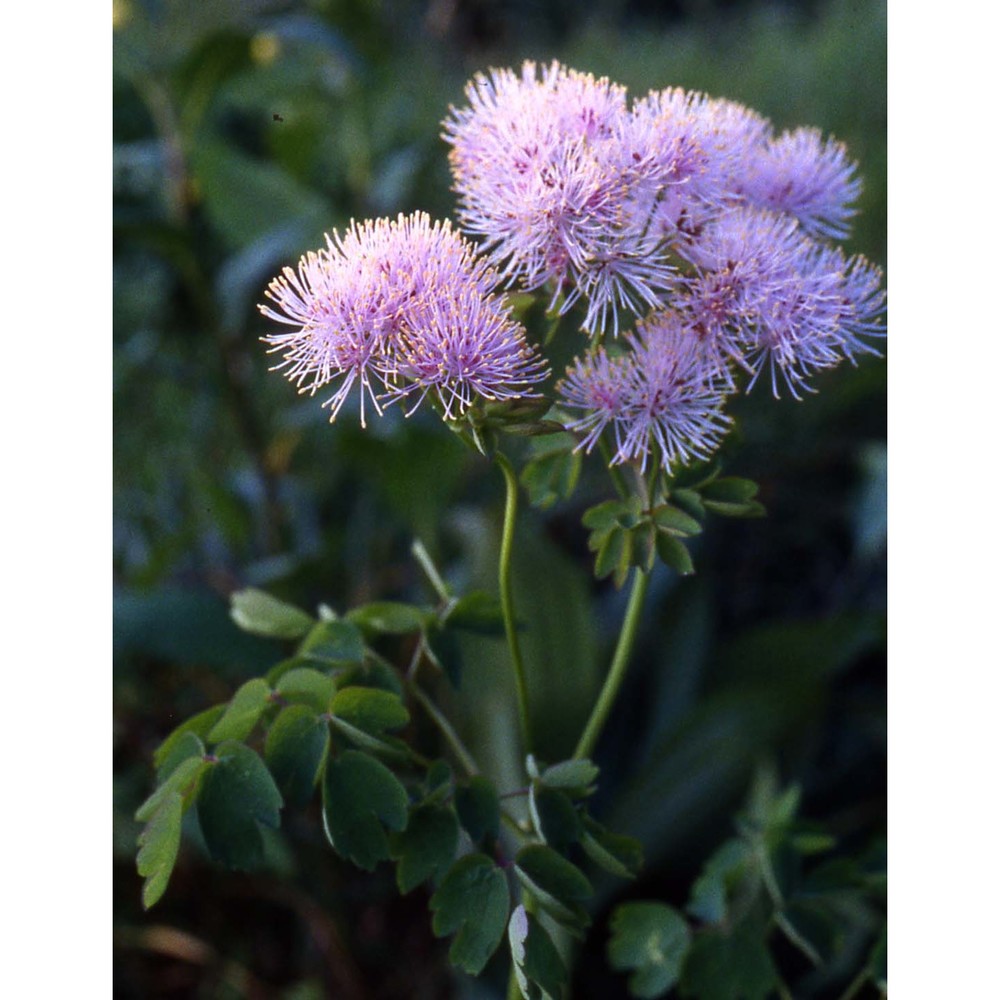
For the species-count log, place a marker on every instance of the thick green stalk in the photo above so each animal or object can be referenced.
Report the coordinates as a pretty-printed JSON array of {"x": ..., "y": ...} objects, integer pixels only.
[
  {"x": 507, "y": 601},
  {"x": 619, "y": 664}
]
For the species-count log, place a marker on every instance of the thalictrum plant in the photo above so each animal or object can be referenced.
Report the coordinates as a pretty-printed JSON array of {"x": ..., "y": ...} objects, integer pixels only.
[{"x": 691, "y": 249}]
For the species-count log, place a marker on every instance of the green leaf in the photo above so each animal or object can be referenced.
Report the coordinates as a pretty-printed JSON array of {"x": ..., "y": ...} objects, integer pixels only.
[
  {"x": 689, "y": 502},
  {"x": 237, "y": 796},
  {"x": 443, "y": 650},
  {"x": 261, "y": 614},
  {"x": 615, "y": 549},
  {"x": 554, "y": 817},
  {"x": 603, "y": 517},
  {"x": 296, "y": 746},
  {"x": 813, "y": 843},
  {"x": 159, "y": 843},
  {"x": 694, "y": 476},
  {"x": 572, "y": 775},
  {"x": 243, "y": 712},
  {"x": 751, "y": 509},
  {"x": 675, "y": 520},
  {"x": 558, "y": 884},
  {"x": 644, "y": 545},
  {"x": 540, "y": 972},
  {"x": 334, "y": 643},
  {"x": 720, "y": 875},
  {"x": 478, "y": 808},
  {"x": 362, "y": 799},
  {"x": 477, "y": 612},
  {"x": 285, "y": 667},
  {"x": 246, "y": 197},
  {"x": 389, "y": 618},
  {"x": 426, "y": 847},
  {"x": 552, "y": 476},
  {"x": 183, "y": 780},
  {"x": 471, "y": 903},
  {"x": 630, "y": 513},
  {"x": 674, "y": 553},
  {"x": 369, "y": 709},
  {"x": 307, "y": 686},
  {"x": 625, "y": 560},
  {"x": 730, "y": 966},
  {"x": 730, "y": 489},
  {"x": 438, "y": 782},
  {"x": 372, "y": 673},
  {"x": 199, "y": 725},
  {"x": 651, "y": 940},
  {"x": 186, "y": 746},
  {"x": 615, "y": 853},
  {"x": 389, "y": 747}
]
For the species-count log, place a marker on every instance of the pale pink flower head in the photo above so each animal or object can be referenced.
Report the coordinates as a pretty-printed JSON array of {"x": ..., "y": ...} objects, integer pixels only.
[
  {"x": 362, "y": 307},
  {"x": 773, "y": 299},
  {"x": 461, "y": 345},
  {"x": 807, "y": 176},
  {"x": 691, "y": 146},
  {"x": 546, "y": 181},
  {"x": 662, "y": 396}
]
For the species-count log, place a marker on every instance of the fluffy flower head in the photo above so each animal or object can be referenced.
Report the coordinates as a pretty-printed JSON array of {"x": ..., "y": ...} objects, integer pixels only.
[
  {"x": 547, "y": 178},
  {"x": 807, "y": 176},
  {"x": 771, "y": 298},
  {"x": 663, "y": 396},
  {"x": 398, "y": 305}
]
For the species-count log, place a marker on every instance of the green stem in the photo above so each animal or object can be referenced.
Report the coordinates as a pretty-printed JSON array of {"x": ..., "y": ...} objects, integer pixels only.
[
  {"x": 507, "y": 600},
  {"x": 423, "y": 557},
  {"x": 855, "y": 985},
  {"x": 513, "y": 990},
  {"x": 619, "y": 664},
  {"x": 447, "y": 730}
]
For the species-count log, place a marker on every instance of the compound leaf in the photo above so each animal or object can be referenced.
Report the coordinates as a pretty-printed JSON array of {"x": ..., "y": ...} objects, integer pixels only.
[
  {"x": 614, "y": 852},
  {"x": 296, "y": 746},
  {"x": 334, "y": 642},
  {"x": 540, "y": 972},
  {"x": 237, "y": 796},
  {"x": 159, "y": 843},
  {"x": 471, "y": 903},
  {"x": 371, "y": 710},
  {"x": 426, "y": 847},
  {"x": 307, "y": 686},
  {"x": 478, "y": 808},
  {"x": 556, "y": 883},
  {"x": 261, "y": 614},
  {"x": 243, "y": 712},
  {"x": 650, "y": 940},
  {"x": 362, "y": 799}
]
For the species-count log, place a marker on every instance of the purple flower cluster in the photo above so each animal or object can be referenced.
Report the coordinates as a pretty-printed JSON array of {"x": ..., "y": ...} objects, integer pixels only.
[
  {"x": 683, "y": 208},
  {"x": 685, "y": 211},
  {"x": 548, "y": 178},
  {"x": 400, "y": 307},
  {"x": 664, "y": 392},
  {"x": 766, "y": 295}
]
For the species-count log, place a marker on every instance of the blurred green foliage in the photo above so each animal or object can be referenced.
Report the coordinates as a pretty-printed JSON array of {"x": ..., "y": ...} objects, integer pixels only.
[{"x": 244, "y": 130}]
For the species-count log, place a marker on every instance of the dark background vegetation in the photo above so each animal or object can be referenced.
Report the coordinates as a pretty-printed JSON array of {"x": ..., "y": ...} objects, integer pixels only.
[{"x": 243, "y": 130}]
